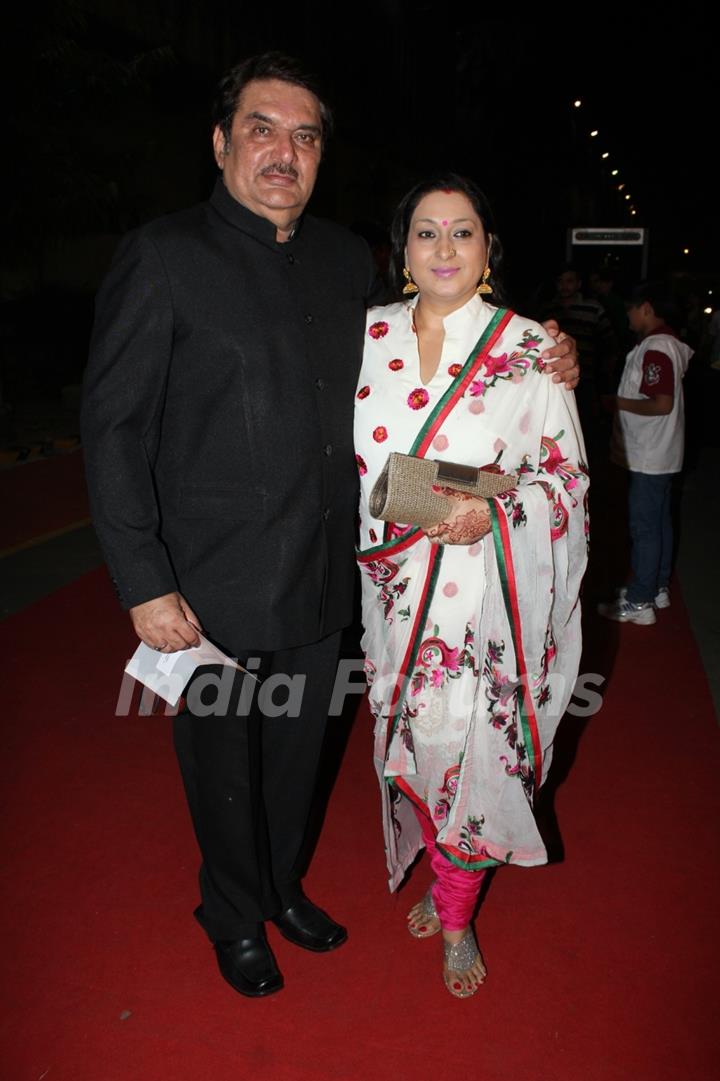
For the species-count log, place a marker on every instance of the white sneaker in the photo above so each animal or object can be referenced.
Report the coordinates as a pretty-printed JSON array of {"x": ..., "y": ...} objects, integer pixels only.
[
  {"x": 623, "y": 611},
  {"x": 662, "y": 598}
]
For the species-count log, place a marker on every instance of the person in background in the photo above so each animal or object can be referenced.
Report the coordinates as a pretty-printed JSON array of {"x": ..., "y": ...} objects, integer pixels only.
[
  {"x": 586, "y": 321},
  {"x": 648, "y": 440},
  {"x": 602, "y": 285}
]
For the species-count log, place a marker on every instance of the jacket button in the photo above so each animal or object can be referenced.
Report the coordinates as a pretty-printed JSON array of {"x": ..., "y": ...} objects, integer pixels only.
[
  {"x": 326, "y": 514},
  {"x": 328, "y": 449},
  {"x": 308, "y": 318},
  {"x": 320, "y": 384},
  {"x": 291, "y": 258}
]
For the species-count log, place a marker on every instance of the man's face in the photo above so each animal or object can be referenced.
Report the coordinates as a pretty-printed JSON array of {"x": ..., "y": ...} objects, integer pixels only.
[
  {"x": 272, "y": 159},
  {"x": 568, "y": 284}
]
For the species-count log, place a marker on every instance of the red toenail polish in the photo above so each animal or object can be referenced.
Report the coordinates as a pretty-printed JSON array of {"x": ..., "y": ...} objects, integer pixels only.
[
  {"x": 457, "y": 986},
  {"x": 423, "y": 928}
]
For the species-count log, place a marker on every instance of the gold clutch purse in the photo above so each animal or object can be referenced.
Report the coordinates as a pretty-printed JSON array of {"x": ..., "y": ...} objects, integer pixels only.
[{"x": 403, "y": 491}]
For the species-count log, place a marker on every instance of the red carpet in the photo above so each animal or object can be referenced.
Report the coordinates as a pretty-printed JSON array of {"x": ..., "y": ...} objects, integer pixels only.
[
  {"x": 602, "y": 967},
  {"x": 41, "y": 497}
]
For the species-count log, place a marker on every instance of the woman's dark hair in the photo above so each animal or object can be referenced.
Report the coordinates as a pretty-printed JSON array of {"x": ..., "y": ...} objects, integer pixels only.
[
  {"x": 272, "y": 65},
  {"x": 403, "y": 216}
]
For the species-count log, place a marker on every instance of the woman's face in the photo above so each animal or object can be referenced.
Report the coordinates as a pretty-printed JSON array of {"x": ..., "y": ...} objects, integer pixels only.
[{"x": 446, "y": 250}]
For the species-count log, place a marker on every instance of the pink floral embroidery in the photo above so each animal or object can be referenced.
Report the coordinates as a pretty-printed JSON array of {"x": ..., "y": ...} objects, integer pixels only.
[
  {"x": 437, "y": 662},
  {"x": 441, "y": 442},
  {"x": 497, "y": 365},
  {"x": 378, "y": 330},
  {"x": 552, "y": 456},
  {"x": 382, "y": 571},
  {"x": 396, "y": 365},
  {"x": 447, "y": 792},
  {"x": 434, "y": 651},
  {"x": 362, "y": 468},
  {"x": 558, "y": 518},
  {"x": 477, "y": 388},
  {"x": 454, "y": 370},
  {"x": 363, "y": 392},
  {"x": 418, "y": 398},
  {"x": 553, "y": 462},
  {"x": 380, "y": 434}
]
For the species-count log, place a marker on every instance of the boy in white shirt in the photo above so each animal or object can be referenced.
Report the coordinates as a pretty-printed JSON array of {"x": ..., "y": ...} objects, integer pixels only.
[{"x": 648, "y": 440}]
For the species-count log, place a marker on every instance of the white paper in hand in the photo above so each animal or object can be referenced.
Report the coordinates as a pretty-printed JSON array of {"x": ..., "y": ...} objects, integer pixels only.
[{"x": 168, "y": 674}]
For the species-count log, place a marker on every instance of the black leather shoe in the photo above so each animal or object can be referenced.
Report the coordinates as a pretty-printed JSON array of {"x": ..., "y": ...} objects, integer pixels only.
[
  {"x": 308, "y": 926},
  {"x": 249, "y": 966}
]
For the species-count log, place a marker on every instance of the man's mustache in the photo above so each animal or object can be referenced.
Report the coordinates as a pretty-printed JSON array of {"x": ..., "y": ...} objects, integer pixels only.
[{"x": 282, "y": 168}]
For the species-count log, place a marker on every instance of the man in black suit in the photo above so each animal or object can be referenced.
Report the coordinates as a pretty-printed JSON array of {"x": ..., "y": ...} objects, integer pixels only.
[{"x": 217, "y": 425}]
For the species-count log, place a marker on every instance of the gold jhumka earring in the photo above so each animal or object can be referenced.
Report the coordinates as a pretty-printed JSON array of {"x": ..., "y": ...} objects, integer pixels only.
[
  {"x": 484, "y": 288},
  {"x": 410, "y": 287}
]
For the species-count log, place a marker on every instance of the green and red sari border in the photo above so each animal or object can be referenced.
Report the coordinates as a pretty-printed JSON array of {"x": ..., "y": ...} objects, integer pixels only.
[
  {"x": 462, "y": 381},
  {"x": 508, "y": 582},
  {"x": 397, "y": 544},
  {"x": 414, "y": 642},
  {"x": 464, "y": 860}
]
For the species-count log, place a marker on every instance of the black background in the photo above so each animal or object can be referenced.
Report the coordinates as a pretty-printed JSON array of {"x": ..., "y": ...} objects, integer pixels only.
[{"x": 108, "y": 125}]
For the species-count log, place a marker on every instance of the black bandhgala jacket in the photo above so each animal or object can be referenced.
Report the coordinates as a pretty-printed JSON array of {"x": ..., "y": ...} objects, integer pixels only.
[{"x": 217, "y": 420}]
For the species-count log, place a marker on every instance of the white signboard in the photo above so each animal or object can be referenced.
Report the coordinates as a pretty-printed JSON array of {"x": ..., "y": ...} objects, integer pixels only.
[{"x": 608, "y": 237}]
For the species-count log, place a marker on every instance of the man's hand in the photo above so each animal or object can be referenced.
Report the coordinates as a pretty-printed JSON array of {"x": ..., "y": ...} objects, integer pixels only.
[
  {"x": 467, "y": 520},
  {"x": 563, "y": 356},
  {"x": 166, "y": 623}
]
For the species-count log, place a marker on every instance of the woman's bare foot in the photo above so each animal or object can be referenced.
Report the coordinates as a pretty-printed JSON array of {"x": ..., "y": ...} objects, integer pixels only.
[
  {"x": 422, "y": 918},
  {"x": 464, "y": 969}
]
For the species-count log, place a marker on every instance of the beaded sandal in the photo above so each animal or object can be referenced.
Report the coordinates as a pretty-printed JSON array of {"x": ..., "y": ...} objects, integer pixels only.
[
  {"x": 427, "y": 912},
  {"x": 459, "y": 957}
]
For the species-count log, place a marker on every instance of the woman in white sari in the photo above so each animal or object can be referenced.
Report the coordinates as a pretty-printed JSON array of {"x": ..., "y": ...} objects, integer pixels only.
[{"x": 472, "y": 628}]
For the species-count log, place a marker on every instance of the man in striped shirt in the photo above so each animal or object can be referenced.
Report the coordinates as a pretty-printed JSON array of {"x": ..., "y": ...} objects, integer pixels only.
[{"x": 585, "y": 319}]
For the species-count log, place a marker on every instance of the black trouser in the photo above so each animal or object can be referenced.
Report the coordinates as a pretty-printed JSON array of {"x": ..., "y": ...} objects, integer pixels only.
[{"x": 249, "y": 781}]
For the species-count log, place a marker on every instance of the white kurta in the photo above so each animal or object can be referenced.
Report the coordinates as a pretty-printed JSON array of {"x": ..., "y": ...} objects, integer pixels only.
[{"x": 472, "y": 652}]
